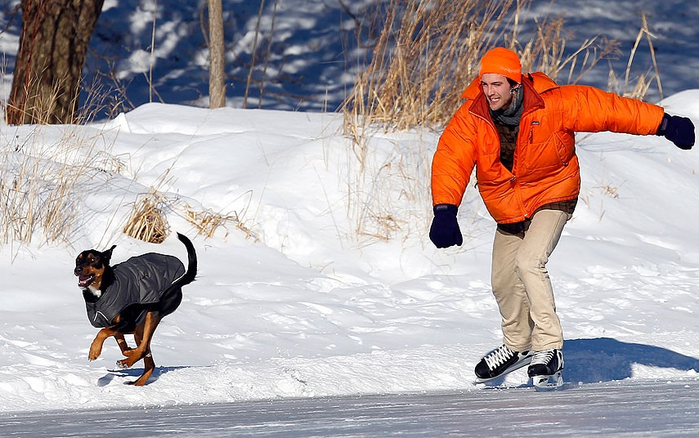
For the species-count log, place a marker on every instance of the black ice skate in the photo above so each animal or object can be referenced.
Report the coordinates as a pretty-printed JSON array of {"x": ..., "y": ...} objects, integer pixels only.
[
  {"x": 499, "y": 362},
  {"x": 545, "y": 369}
]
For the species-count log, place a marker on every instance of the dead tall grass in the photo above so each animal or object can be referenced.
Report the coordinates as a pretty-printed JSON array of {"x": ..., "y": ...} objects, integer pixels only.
[
  {"x": 40, "y": 174},
  {"x": 429, "y": 51},
  {"x": 638, "y": 87},
  {"x": 423, "y": 51},
  {"x": 38, "y": 183},
  {"x": 208, "y": 222},
  {"x": 148, "y": 221}
]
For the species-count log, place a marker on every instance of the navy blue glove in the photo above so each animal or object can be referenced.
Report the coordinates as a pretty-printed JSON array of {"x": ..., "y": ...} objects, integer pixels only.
[
  {"x": 445, "y": 231},
  {"x": 679, "y": 130}
]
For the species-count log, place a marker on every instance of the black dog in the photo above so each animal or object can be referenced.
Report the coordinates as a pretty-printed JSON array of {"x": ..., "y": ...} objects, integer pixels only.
[{"x": 132, "y": 297}]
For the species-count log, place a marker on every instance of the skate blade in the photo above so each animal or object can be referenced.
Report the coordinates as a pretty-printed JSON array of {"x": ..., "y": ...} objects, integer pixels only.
[
  {"x": 514, "y": 367},
  {"x": 548, "y": 383}
]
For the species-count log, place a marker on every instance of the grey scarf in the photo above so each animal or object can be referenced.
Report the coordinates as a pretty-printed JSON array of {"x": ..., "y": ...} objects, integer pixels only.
[{"x": 512, "y": 115}]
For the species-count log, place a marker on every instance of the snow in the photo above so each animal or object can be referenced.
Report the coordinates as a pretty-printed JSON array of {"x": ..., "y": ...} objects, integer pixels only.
[
  {"x": 327, "y": 284},
  {"x": 307, "y": 308}
]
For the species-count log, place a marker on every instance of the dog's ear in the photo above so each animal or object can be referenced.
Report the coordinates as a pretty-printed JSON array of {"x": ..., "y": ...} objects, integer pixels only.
[{"x": 107, "y": 255}]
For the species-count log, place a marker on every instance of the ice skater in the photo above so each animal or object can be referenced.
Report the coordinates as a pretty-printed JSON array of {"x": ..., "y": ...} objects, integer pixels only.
[{"x": 518, "y": 131}]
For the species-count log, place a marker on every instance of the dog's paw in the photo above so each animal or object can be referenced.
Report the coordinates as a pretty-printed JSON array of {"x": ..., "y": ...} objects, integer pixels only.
[
  {"x": 122, "y": 365},
  {"x": 94, "y": 353}
]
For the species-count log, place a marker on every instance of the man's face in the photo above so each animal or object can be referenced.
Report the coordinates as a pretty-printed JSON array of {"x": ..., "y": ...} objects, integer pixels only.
[{"x": 498, "y": 91}]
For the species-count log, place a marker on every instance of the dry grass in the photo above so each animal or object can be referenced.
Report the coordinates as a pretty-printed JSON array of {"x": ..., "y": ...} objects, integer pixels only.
[
  {"x": 546, "y": 53},
  {"x": 637, "y": 88},
  {"x": 424, "y": 58},
  {"x": 38, "y": 109},
  {"x": 421, "y": 53},
  {"x": 39, "y": 180},
  {"x": 148, "y": 221},
  {"x": 39, "y": 176},
  {"x": 208, "y": 222},
  {"x": 41, "y": 111}
]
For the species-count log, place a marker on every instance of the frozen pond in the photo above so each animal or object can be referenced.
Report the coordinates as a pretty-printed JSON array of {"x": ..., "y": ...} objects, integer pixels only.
[{"x": 626, "y": 408}]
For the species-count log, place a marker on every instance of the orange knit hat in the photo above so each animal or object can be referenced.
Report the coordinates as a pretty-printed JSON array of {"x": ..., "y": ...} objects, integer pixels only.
[{"x": 503, "y": 62}]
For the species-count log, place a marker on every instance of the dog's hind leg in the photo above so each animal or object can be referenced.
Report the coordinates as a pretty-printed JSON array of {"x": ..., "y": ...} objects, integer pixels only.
[
  {"x": 147, "y": 371},
  {"x": 149, "y": 364}
]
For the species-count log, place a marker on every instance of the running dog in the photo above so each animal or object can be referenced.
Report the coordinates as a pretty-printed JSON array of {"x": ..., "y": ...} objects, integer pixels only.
[{"x": 131, "y": 298}]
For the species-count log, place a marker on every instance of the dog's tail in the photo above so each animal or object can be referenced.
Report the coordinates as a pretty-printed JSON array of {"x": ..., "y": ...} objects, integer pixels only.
[{"x": 191, "y": 273}]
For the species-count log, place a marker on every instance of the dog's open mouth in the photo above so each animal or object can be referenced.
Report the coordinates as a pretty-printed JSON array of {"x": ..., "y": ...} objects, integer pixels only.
[{"x": 85, "y": 280}]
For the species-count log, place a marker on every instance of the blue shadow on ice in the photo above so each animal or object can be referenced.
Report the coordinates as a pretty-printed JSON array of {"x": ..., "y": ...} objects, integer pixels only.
[
  {"x": 606, "y": 359},
  {"x": 132, "y": 374}
]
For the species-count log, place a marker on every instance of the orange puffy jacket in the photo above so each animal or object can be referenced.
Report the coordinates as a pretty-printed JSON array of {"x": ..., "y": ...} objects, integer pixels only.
[{"x": 545, "y": 168}]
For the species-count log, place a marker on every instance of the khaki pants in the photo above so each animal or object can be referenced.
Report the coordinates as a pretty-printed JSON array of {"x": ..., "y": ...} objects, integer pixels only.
[{"x": 521, "y": 283}]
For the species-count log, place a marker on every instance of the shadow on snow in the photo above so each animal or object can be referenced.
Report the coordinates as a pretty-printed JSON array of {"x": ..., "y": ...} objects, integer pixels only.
[
  {"x": 135, "y": 373},
  {"x": 606, "y": 359}
]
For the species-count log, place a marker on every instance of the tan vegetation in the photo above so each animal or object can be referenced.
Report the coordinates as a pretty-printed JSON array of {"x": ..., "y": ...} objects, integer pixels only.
[
  {"x": 429, "y": 50},
  {"x": 208, "y": 222},
  {"x": 148, "y": 221},
  {"x": 39, "y": 183}
]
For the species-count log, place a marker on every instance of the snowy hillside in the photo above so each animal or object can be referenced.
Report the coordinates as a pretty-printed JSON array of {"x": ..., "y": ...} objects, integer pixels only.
[{"x": 307, "y": 308}]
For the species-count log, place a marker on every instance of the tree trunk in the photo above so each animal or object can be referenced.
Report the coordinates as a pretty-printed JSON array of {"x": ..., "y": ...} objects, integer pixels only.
[
  {"x": 217, "y": 56},
  {"x": 48, "y": 71}
]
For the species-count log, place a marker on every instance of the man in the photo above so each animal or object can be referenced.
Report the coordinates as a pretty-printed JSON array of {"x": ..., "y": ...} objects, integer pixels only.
[{"x": 518, "y": 131}]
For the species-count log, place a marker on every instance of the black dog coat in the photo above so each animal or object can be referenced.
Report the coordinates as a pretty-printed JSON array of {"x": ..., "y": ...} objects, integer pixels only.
[{"x": 142, "y": 280}]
